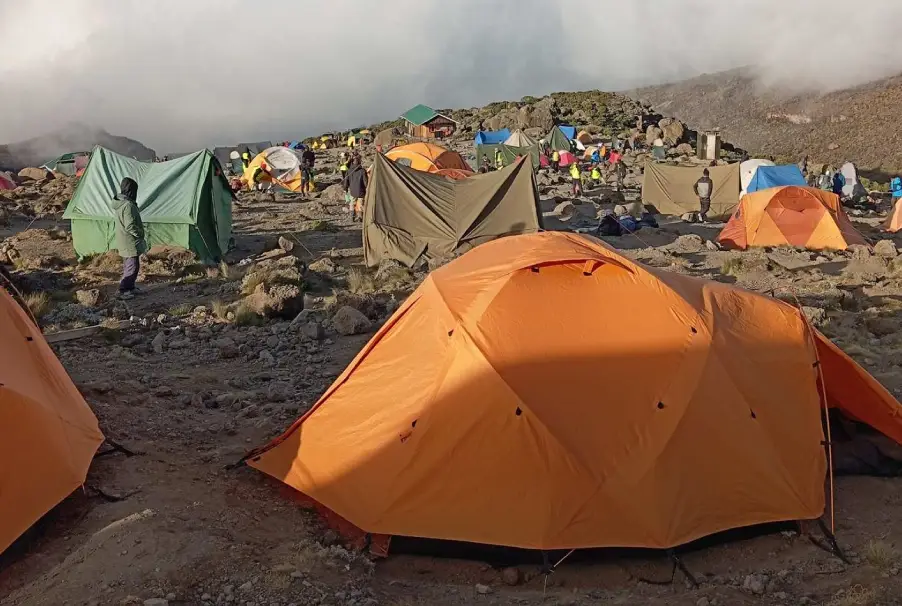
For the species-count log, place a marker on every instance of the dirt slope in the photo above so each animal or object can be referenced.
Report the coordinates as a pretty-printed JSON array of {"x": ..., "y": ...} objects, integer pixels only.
[{"x": 857, "y": 124}]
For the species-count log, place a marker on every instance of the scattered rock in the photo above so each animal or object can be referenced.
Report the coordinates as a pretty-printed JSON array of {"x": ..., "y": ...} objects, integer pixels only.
[
  {"x": 276, "y": 301},
  {"x": 314, "y": 330},
  {"x": 565, "y": 210},
  {"x": 159, "y": 342},
  {"x": 860, "y": 252},
  {"x": 754, "y": 584},
  {"x": 226, "y": 400},
  {"x": 266, "y": 357},
  {"x": 511, "y": 576},
  {"x": 156, "y": 602},
  {"x": 881, "y": 327},
  {"x": 286, "y": 244},
  {"x": 35, "y": 174},
  {"x": 226, "y": 347},
  {"x": 816, "y": 316},
  {"x": 712, "y": 246},
  {"x": 885, "y": 248},
  {"x": 348, "y": 321},
  {"x": 703, "y": 602},
  {"x": 324, "y": 266},
  {"x": 483, "y": 589},
  {"x": 88, "y": 298},
  {"x": 689, "y": 243},
  {"x": 272, "y": 342}
]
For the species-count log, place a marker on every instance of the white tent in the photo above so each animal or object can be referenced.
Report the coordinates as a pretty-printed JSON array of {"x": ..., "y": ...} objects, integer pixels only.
[
  {"x": 520, "y": 139},
  {"x": 852, "y": 188},
  {"x": 747, "y": 172}
]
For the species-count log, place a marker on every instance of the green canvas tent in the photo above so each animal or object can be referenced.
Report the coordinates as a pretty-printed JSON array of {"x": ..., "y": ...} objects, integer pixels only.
[
  {"x": 510, "y": 154},
  {"x": 556, "y": 139},
  {"x": 185, "y": 202}
]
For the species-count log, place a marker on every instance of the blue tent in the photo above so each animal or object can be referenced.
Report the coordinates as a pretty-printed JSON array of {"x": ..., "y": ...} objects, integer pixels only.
[
  {"x": 776, "y": 176},
  {"x": 487, "y": 137},
  {"x": 569, "y": 131}
]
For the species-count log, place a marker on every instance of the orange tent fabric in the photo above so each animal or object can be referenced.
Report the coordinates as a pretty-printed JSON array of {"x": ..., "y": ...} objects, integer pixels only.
[
  {"x": 455, "y": 174},
  {"x": 790, "y": 216},
  {"x": 48, "y": 434},
  {"x": 427, "y": 157},
  {"x": 657, "y": 409},
  {"x": 584, "y": 137},
  {"x": 893, "y": 222}
]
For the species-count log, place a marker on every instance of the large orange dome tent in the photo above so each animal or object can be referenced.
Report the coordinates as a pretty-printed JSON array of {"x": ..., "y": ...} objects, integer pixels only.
[
  {"x": 790, "y": 216},
  {"x": 48, "y": 434},
  {"x": 427, "y": 157},
  {"x": 480, "y": 413}
]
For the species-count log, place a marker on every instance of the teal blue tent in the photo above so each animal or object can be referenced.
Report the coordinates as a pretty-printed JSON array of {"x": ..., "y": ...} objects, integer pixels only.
[{"x": 185, "y": 202}]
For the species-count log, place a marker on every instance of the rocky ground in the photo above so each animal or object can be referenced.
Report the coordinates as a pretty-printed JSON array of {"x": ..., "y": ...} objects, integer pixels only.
[{"x": 217, "y": 360}]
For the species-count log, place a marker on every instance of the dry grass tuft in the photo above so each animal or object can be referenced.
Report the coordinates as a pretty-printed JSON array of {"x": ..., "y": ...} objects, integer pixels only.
[
  {"x": 880, "y": 554},
  {"x": 245, "y": 316},
  {"x": 731, "y": 267},
  {"x": 182, "y": 309},
  {"x": 856, "y": 595},
  {"x": 38, "y": 303},
  {"x": 360, "y": 281},
  {"x": 220, "y": 310},
  {"x": 321, "y": 225},
  {"x": 252, "y": 281}
]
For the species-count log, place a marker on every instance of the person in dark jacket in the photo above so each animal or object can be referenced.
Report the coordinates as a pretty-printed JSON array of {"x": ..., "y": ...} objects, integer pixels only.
[
  {"x": 704, "y": 188},
  {"x": 355, "y": 183},
  {"x": 129, "y": 235},
  {"x": 308, "y": 159},
  {"x": 839, "y": 181}
]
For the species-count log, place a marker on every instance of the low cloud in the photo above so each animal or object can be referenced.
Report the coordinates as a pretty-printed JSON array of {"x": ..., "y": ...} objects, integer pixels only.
[{"x": 182, "y": 75}]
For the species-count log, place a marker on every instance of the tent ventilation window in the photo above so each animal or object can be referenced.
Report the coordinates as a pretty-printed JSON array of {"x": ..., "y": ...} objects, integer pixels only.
[
  {"x": 660, "y": 405},
  {"x": 518, "y": 412}
]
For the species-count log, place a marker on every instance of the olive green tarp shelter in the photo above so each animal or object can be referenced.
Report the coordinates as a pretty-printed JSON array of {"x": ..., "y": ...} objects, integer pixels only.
[
  {"x": 185, "y": 202},
  {"x": 670, "y": 189},
  {"x": 509, "y": 153},
  {"x": 556, "y": 139},
  {"x": 411, "y": 215}
]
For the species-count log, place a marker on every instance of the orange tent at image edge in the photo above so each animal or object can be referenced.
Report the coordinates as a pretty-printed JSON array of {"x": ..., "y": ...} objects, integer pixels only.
[
  {"x": 790, "y": 216},
  {"x": 48, "y": 434},
  {"x": 658, "y": 408},
  {"x": 428, "y": 157}
]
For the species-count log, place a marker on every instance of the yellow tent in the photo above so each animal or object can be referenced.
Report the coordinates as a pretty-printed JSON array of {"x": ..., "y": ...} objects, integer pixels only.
[
  {"x": 280, "y": 165},
  {"x": 427, "y": 157},
  {"x": 584, "y": 137}
]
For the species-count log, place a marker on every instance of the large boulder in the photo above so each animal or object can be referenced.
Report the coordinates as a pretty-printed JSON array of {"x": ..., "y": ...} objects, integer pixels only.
[
  {"x": 653, "y": 133},
  {"x": 673, "y": 133},
  {"x": 349, "y": 321}
]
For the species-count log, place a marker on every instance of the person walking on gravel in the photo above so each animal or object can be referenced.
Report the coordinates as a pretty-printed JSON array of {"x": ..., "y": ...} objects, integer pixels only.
[
  {"x": 129, "y": 235},
  {"x": 704, "y": 188}
]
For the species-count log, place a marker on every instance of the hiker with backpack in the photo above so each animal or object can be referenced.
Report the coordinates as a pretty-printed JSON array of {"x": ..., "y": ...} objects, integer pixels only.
[{"x": 895, "y": 188}]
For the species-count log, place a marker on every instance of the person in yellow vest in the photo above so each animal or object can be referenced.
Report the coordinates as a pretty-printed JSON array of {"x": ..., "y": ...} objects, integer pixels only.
[
  {"x": 246, "y": 159},
  {"x": 556, "y": 161},
  {"x": 576, "y": 178},
  {"x": 596, "y": 175},
  {"x": 499, "y": 159}
]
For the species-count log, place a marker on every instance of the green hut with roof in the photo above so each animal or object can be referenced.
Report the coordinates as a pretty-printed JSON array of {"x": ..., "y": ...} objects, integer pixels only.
[{"x": 426, "y": 123}]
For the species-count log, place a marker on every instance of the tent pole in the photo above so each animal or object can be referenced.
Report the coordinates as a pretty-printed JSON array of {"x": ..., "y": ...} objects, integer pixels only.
[{"x": 828, "y": 444}]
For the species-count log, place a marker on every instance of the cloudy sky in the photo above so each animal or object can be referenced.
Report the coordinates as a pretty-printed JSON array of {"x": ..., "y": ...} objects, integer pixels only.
[{"x": 184, "y": 74}]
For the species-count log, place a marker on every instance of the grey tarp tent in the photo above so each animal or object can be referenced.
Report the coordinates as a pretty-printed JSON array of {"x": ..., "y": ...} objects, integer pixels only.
[
  {"x": 669, "y": 189},
  {"x": 185, "y": 202},
  {"x": 410, "y": 214},
  {"x": 520, "y": 139}
]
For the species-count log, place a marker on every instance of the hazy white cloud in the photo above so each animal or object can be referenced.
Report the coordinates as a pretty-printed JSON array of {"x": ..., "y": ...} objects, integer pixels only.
[{"x": 182, "y": 74}]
